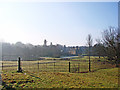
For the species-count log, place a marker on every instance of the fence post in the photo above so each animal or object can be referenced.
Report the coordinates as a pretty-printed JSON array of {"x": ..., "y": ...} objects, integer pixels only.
[
  {"x": 38, "y": 66},
  {"x": 69, "y": 66},
  {"x": 78, "y": 67},
  {"x": 29, "y": 66},
  {"x": 2, "y": 66},
  {"x": 54, "y": 66},
  {"x": 19, "y": 68},
  {"x": 46, "y": 67}
]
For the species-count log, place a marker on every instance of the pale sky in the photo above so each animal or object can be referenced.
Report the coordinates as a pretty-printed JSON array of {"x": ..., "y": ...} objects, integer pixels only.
[{"x": 65, "y": 23}]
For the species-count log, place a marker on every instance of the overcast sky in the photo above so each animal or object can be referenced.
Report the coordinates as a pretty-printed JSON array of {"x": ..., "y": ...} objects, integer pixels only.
[{"x": 58, "y": 22}]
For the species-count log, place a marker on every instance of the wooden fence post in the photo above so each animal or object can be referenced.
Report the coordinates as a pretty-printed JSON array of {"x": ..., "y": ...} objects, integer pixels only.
[
  {"x": 28, "y": 65},
  {"x": 2, "y": 66},
  {"x": 46, "y": 67},
  {"x": 78, "y": 67},
  {"x": 19, "y": 66},
  {"x": 54, "y": 66},
  {"x": 69, "y": 66},
  {"x": 38, "y": 66}
]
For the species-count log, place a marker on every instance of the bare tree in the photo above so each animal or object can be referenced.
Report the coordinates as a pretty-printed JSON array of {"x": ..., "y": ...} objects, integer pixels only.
[
  {"x": 118, "y": 45},
  {"x": 99, "y": 48},
  {"x": 89, "y": 43},
  {"x": 111, "y": 42}
]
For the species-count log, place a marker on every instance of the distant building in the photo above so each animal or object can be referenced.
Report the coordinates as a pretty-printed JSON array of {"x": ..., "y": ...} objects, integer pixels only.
[
  {"x": 72, "y": 51},
  {"x": 45, "y": 43},
  {"x": 51, "y": 44}
]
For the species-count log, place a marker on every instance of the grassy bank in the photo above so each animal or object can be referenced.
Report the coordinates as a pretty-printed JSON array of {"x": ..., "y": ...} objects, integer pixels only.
[{"x": 104, "y": 78}]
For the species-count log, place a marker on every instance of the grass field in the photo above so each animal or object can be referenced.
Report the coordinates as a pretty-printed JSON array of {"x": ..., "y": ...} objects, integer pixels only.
[
  {"x": 76, "y": 65},
  {"x": 56, "y": 74},
  {"x": 104, "y": 78}
]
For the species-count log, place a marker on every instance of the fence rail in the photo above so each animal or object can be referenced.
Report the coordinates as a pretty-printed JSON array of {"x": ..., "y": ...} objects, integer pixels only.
[{"x": 56, "y": 65}]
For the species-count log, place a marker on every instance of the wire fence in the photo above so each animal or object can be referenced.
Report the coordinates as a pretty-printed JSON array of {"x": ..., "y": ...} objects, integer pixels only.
[{"x": 74, "y": 66}]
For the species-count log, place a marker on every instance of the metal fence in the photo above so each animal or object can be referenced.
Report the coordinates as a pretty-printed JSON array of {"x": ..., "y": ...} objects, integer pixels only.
[{"x": 74, "y": 66}]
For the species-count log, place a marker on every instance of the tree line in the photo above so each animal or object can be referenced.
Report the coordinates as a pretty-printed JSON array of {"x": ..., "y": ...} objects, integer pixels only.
[
  {"x": 108, "y": 45},
  {"x": 33, "y": 52}
]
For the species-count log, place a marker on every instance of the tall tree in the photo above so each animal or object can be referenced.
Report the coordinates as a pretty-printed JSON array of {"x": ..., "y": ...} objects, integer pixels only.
[
  {"x": 111, "y": 42},
  {"x": 89, "y": 43},
  {"x": 119, "y": 44}
]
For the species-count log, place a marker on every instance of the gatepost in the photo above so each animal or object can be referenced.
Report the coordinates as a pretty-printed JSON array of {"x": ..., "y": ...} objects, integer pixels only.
[{"x": 19, "y": 65}]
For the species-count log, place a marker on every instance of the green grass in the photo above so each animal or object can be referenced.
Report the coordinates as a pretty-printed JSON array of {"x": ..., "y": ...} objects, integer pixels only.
[
  {"x": 76, "y": 65},
  {"x": 57, "y": 75},
  {"x": 104, "y": 78}
]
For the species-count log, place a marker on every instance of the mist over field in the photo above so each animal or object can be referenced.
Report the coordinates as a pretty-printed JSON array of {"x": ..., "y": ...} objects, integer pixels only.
[{"x": 59, "y": 45}]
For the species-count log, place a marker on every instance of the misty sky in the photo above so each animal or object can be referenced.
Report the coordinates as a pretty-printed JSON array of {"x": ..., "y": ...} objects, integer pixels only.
[{"x": 59, "y": 22}]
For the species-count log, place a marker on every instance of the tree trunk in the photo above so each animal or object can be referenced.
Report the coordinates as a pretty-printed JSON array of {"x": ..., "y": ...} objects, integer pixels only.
[
  {"x": 99, "y": 57},
  {"x": 89, "y": 60}
]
